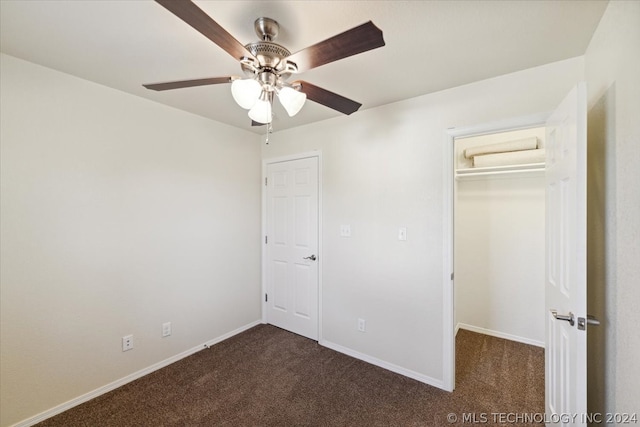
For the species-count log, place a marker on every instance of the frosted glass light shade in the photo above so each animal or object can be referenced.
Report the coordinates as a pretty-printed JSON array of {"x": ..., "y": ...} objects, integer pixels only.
[
  {"x": 291, "y": 100},
  {"x": 246, "y": 92},
  {"x": 261, "y": 112}
]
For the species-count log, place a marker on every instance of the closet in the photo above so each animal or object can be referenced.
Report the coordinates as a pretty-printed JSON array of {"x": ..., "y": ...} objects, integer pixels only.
[{"x": 499, "y": 234}]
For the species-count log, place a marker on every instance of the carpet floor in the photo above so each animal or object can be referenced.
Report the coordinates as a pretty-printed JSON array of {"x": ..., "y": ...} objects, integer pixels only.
[{"x": 270, "y": 377}]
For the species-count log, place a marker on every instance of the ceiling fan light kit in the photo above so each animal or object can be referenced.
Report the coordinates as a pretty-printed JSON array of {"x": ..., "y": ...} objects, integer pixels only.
[
  {"x": 252, "y": 93},
  {"x": 261, "y": 110},
  {"x": 292, "y": 100},
  {"x": 246, "y": 92},
  {"x": 269, "y": 65}
]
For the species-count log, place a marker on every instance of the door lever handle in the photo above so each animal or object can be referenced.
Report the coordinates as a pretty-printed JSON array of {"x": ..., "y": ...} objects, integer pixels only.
[
  {"x": 590, "y": 320},
  {"x": 569, "y": 318},
  {"x": 311, "y": 257}
]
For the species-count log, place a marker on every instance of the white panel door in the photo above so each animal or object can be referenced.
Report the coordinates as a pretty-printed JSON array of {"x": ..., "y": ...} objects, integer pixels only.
[
  {"x": 565, "y": 293},
  {"x": 292, "y": 246}
]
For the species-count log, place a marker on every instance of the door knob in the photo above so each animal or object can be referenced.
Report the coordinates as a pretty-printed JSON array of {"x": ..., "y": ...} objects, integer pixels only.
[
  {"x": 311, "y": 257},
  {"x": 569, "y": 318}
]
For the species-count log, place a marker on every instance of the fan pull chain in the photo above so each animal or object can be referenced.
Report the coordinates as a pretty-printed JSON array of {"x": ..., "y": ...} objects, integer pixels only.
[{"x": 269, "y": 130}]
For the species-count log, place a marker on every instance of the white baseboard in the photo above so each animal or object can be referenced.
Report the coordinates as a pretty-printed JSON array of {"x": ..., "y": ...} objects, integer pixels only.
[
  {"x": 122, "y": 381},
  {"x": 382, "y": 364},
  {"x": 498, "y": 334}
]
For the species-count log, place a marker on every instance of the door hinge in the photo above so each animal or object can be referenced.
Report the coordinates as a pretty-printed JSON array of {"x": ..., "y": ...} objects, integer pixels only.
[
  {"x": 451, "y": 276},
  {"x": 266, "y": 240},
  {"x": 265, "y": 180},
  {"x": 266, "y": 297}
]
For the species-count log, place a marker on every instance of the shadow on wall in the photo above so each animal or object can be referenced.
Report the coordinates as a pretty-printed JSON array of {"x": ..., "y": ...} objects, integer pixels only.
[{"x": 600, "y": 282}]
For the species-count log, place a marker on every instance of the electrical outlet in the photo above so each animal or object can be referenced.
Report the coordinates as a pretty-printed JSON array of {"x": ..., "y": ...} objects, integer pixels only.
[
  {"x": 361, "y": 325},
  {"x": 127, "y": 343},
  {"x": 166, "y": 329}
]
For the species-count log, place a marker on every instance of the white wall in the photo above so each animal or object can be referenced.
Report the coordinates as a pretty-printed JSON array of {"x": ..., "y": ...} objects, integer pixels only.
[
  {"x": 118, "y": 214},
  {"x": 612, "y": 65},
  {"x": 383, "y": 169},
  {"x": 499, "y": 248}
]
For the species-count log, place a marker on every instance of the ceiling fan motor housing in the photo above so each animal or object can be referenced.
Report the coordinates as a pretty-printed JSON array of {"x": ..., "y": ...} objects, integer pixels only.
[{"x": 270, "y": 55}]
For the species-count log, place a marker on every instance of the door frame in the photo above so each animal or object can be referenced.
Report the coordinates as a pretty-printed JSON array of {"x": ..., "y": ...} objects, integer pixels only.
[
  {"x": 265, "y": 163},
  {"x": 448, "y": 278}
]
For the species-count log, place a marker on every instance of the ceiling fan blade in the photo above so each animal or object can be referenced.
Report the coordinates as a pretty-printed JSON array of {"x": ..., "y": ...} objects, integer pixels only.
[
  {"x": 254, "y": 123},
  {"x": 189, "y": 83},
  {"x": 194, "y": 16},
  {"x": 356, "y": 40},
  {"x": 328, "y": 98}
]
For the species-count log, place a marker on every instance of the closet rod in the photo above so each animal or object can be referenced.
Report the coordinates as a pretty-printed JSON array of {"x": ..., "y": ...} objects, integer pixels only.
[{"x": 507, "y": 172}]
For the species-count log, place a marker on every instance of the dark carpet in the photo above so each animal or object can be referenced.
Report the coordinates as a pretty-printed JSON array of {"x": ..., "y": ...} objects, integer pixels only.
[{"x": 270, "y": 377}]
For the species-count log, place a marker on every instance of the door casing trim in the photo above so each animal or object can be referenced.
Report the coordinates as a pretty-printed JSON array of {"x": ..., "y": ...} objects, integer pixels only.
[{"x": 448, "y": 308}]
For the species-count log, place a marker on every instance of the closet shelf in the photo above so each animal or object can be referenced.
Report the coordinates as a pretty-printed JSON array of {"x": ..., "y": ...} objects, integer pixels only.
[{"x": 529, "y": 169}]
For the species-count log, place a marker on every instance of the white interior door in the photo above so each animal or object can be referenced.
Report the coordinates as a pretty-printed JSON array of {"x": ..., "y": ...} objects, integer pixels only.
[
  {"x": 565, "y": 289},
  {"x": 292, "y": 246}
]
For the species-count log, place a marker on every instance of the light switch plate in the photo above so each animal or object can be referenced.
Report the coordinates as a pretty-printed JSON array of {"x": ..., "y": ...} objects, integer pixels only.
[
  {"x": 345, "y": 230},
  {"x": 166, "y": 329},
  {"x": 402, "y": 233}
]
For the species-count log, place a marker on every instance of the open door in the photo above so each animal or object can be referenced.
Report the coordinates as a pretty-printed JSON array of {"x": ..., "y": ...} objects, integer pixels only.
[{"x": 566, "y": 256}]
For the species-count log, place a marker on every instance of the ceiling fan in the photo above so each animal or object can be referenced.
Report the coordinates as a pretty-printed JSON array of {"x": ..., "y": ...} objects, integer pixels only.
[{"x": 268, "y": 65}]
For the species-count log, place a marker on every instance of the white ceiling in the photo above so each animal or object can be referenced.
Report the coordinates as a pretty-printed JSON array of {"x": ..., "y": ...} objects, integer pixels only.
[{"x": 430, "y": 45}]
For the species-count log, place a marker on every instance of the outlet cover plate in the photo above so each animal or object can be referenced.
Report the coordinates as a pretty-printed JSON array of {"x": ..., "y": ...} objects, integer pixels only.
[{"x": 127, "y": 343}]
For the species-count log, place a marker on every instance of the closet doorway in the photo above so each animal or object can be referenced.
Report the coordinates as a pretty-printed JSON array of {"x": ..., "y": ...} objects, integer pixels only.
[
  {"x": 484, "y": 320},
  {"x": 499, "y": 235}
]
